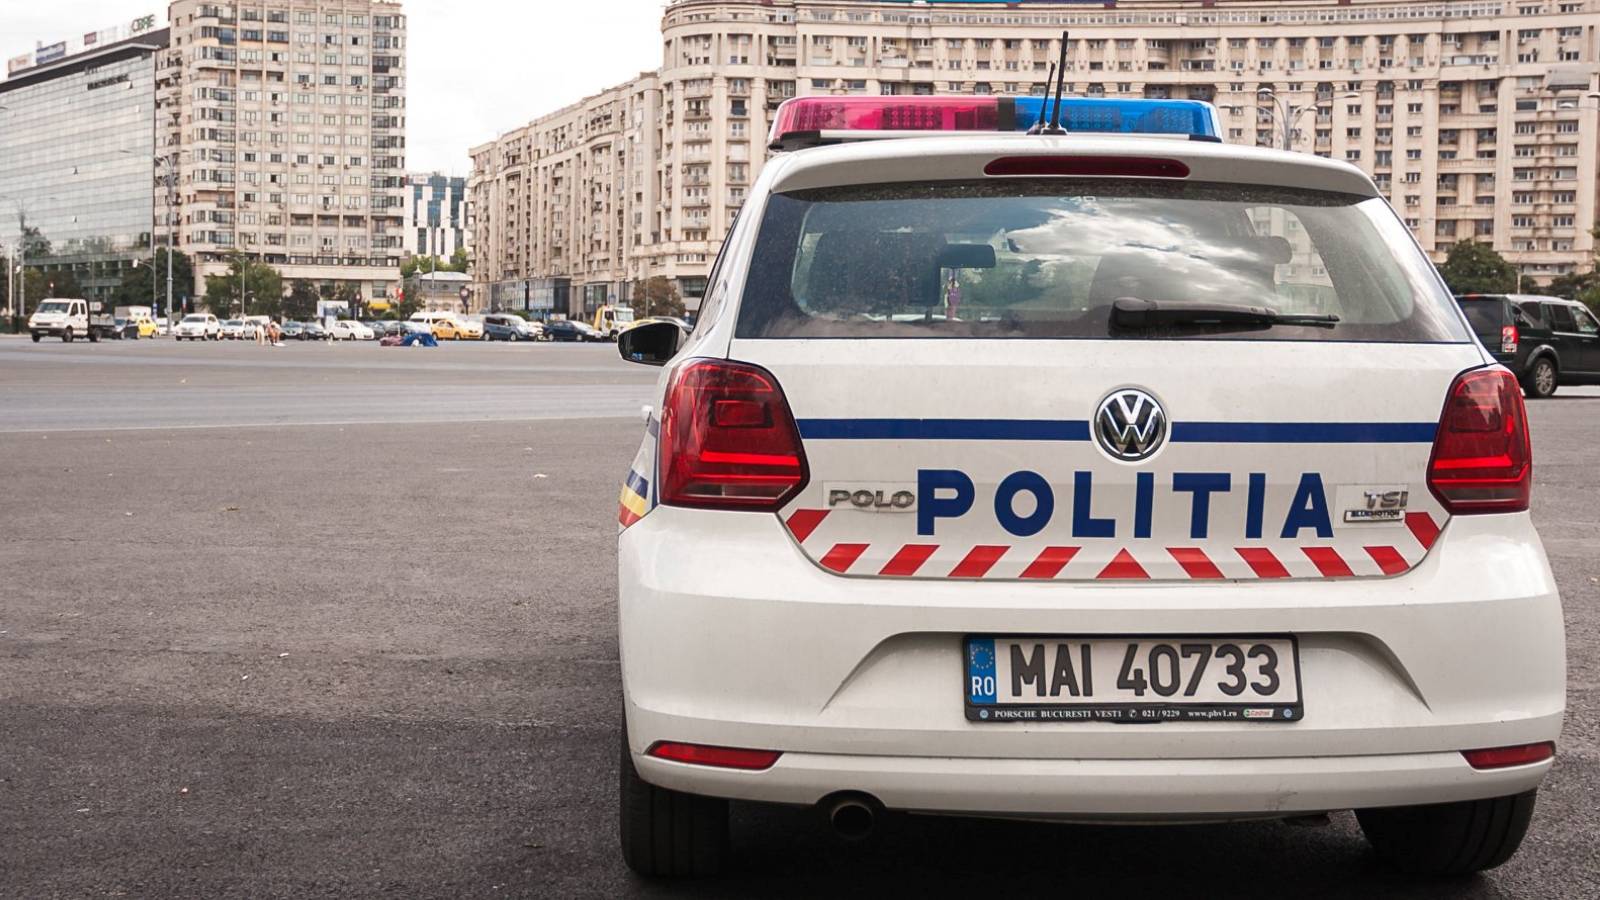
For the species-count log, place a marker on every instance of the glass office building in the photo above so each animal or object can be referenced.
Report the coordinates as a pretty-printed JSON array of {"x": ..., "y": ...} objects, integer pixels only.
[{"x": 77, "y": 146}]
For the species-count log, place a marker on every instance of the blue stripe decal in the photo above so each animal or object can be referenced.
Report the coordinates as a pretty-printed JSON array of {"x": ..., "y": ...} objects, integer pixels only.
[
  {"x": 638, "y": 485},
  {"x": 943, "y": 430},
  {"x": 1078, "y": 430},
  {"x": 1303, "y": 432}
]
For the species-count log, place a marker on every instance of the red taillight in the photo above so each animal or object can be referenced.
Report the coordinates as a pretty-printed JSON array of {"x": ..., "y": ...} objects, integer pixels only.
[
  {"x": 1502, "y": 757},
  {"x": 1482, "y": 462},
  {"x": 1087, "y": 166},
  {"x": 720, "y": 757},
  {"x": 1508, "y": 339},
  {"x": 728, "y": 440}
]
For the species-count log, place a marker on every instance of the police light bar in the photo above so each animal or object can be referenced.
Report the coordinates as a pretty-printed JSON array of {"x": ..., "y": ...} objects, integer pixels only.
[
  {"x": 810, "y": 121},
  {"x": 1194, "y": 119}
]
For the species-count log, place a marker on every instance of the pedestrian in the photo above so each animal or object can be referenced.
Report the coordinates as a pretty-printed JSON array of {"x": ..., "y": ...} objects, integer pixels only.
[{"x": 952, "y": 298}]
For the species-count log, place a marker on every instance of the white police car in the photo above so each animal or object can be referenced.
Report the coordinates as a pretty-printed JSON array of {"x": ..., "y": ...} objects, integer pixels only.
[{"x": 989, "y": 447}]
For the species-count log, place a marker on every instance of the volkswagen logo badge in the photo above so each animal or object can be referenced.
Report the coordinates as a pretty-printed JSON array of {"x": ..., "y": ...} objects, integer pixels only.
[{"x": 1130, "y": 425}]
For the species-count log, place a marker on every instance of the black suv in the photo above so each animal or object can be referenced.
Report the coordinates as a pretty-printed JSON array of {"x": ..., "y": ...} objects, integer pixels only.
[{"x": 1545, "y": 341}]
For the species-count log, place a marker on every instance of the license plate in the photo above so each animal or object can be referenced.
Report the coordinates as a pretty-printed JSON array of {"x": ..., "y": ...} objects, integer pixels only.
[{"x": 1138, "y": 679}]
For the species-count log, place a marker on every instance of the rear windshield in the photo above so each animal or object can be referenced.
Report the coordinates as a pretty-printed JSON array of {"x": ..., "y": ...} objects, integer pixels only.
[
  {"x": 1047, "y": 259},
  {"x": 1486, "y": 314}
]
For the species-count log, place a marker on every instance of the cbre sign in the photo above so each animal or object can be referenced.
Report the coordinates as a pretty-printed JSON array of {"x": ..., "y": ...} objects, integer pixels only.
[
  {"x": 143, "y": 24},
  {"x": 50, "y": 53}
]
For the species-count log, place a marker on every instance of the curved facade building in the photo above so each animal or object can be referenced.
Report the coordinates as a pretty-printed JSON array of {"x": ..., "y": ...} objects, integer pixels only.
[{"x": 1479, "y": 118}]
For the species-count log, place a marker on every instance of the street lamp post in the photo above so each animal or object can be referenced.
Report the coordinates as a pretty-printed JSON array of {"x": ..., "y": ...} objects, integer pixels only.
[
  {"x": 1286, "y": 114},
  {"x": 171, "y": 165}
]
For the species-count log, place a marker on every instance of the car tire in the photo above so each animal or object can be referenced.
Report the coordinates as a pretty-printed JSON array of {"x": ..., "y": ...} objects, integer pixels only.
[
  {"x": 668, "y": 833},
  {"x": 1542, "y": 379},
  {"x": 66, "y": 336},
  {"x": 1449, "y": 839},
  {"x": 36, "y": 337}
]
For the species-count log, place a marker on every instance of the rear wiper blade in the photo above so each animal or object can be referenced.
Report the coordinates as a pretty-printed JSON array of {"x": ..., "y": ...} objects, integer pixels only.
[{"x": 1131, "y": 312}]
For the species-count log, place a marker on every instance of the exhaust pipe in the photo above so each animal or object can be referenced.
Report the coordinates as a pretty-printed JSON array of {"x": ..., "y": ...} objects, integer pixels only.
[{"x": 852, "y": 816}]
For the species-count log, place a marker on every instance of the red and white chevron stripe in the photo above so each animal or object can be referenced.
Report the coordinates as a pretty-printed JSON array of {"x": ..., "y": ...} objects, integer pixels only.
[{"x": 1002, "y": 561}]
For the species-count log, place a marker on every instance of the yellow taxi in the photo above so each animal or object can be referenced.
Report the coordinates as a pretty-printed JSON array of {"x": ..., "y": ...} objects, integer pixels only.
[{"x": 448, "y": 330}]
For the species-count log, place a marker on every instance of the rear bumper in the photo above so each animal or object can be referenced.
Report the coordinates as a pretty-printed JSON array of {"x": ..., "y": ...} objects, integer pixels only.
[
  {"x": 730, "y": 637},
  {"x": 1108, "y": 789}
]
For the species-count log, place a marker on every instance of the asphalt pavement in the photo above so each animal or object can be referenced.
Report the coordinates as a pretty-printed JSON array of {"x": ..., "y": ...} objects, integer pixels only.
[{"x": 339, "y": 621}]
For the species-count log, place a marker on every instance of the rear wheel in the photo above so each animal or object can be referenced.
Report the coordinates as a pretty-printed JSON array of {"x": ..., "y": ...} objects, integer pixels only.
[
  {"x": 1541, "y": 378},
  {"x": 667, "y": 833},
  {"x": 1449, "y": 838}
]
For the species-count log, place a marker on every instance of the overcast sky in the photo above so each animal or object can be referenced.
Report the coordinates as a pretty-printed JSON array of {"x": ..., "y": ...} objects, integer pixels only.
[{"x": 477, "y": 67}]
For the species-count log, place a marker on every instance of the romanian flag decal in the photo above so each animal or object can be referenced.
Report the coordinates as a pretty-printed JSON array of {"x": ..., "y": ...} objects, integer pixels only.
[{"x": 635, "y": 499}]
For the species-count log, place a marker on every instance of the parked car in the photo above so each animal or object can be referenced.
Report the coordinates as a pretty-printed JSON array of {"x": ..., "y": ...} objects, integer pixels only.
[
  {"x": 568, "y": 330},
  {"x": 448, "y": 330},
  {"x": 1545, "y": 341},
  {"x": 350, "y": 330},
  {"x": 198, "y": 327},
  {"x": 508, "y": 327},
  {"x": 124, "y": 329},
  {"x": 377, "y": 327},
  {"x": 314, "y": 332},
  {"x": 291, "y": 331},
  {"x": 471, "y": 328},
  {"x": 232, "y": 329}
]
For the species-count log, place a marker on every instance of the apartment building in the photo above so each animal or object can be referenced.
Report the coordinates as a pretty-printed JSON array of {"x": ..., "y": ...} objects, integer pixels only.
[
  {"x": 285, "y": 122},
  {"x": 1479, "y": 118},
  {"x": 560, "y": 206},
  {"x": 436, "y": 215}
]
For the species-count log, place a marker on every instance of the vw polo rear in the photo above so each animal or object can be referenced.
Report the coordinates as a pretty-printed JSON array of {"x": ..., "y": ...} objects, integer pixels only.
[{"x": 1083, "y": 478}]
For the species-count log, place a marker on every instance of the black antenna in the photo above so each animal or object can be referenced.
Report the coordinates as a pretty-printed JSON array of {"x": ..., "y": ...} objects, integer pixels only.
[
  {"x": 1061, "y": 79},
  {"x": 1039, "y": 124}
]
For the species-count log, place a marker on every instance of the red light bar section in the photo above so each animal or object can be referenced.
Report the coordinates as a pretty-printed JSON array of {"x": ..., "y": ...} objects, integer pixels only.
[
  {"x": 804, "y": 114},
  {"x": 1504, "y": 757},
  {"x": 1103, "y": 166},
  {"x": 717, "y": 757}
]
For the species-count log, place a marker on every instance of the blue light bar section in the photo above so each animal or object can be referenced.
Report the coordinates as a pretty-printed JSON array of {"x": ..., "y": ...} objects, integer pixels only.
[{"x": 1095, "y": 114}]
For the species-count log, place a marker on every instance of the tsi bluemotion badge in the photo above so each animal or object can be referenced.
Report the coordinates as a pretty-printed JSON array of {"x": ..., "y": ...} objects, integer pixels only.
[{"x": 1000, "y": 434}]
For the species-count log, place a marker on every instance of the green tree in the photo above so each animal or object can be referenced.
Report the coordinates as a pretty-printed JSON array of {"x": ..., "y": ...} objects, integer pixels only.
[
  {"x": 349, "y": 293},
  {"x": 412, "y": 266},
  {"x": 263, "y": 288},
  {"x": 1474, "y": 268},
  {"x": 409, "y": 302},
  {"x": 301, "y": 303},
  {"x": 459, "y": 261},
  {"x": 62, "y": 283},
  {"x": 137, "y": 282},
  {"x": 1584, "y": 286},
  {"x": 655, "y": 296},
  {"x": 36, "y": 245}
]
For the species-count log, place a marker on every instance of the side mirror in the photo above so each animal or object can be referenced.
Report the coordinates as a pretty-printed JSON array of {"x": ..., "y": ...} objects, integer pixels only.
[{"x": 651, "y": 344}]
